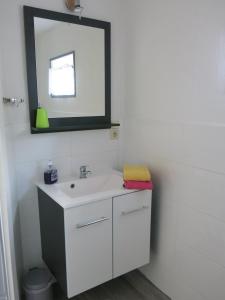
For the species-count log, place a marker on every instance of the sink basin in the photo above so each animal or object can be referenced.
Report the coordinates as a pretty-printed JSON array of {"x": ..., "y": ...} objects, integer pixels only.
[
  {"x": 91, "y": 185},
  {"x": 81, "y": 191}
]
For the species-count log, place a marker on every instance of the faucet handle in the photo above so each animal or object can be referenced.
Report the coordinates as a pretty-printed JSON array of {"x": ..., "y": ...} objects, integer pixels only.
[
  {"x": 84, "y": 172},
  {"x": 83, "y": 168}
]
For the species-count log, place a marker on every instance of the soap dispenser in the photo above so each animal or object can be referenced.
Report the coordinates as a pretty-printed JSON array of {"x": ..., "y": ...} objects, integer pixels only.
[{"x": 50, "y": 174}]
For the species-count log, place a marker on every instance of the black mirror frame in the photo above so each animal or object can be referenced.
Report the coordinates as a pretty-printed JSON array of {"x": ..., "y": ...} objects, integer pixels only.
[{"x": 64, "y": 124}]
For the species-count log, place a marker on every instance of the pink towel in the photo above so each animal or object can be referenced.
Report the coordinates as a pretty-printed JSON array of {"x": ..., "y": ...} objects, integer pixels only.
[{"x": 138, "y": 185}]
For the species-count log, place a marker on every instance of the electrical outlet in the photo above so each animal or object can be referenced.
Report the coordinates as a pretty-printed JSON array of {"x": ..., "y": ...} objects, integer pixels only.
[{"x": 114, "y": 133}]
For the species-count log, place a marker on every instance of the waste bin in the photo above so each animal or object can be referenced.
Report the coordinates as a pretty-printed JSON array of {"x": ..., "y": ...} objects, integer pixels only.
[{"x": 38, "y": 285}]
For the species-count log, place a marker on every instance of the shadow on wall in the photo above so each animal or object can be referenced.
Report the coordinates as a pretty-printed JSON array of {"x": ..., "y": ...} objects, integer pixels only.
[
  {"x": 156, "y": 208},
  {"x": 18, "y": 245},
  {"x": 30, "y": 227}
]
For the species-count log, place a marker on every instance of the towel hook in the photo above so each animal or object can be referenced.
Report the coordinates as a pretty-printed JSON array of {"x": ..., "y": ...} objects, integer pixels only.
[{"x": 14, "y": 101}]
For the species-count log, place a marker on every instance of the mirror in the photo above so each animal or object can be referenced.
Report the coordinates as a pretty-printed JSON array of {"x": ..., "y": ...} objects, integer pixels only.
[{"x": 68, "y": 68}]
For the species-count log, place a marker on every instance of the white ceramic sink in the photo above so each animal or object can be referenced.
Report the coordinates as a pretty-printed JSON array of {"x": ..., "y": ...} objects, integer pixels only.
[
  {"x": 91, "y": 185},
  {"x": 81, "y": 191}
]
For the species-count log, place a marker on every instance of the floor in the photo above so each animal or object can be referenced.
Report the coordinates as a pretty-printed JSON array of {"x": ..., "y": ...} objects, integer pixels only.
[{"x": 132, "y": 286}]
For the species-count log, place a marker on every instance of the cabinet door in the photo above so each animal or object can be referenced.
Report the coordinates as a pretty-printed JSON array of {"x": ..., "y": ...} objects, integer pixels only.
[
  {"x": 88, "y": 234},
  {"x": 131, "y": 231}
]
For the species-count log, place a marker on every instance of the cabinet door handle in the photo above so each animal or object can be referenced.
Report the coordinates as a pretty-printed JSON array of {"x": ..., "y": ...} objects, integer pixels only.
[
  {"x": 86, "y": 224},
  {"x": 124, "y": 213}
]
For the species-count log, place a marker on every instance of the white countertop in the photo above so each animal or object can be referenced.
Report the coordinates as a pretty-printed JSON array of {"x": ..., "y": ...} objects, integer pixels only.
[{"x": 87, "y": 190}]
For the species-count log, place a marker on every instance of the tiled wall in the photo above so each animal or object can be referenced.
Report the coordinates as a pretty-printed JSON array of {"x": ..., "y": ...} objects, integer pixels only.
[
  {"x": 10, "y": 235},
  {"x": 174, "y": 122},
  {"x": 3, "y": 290},
  {"x": 29, "y": 153}
]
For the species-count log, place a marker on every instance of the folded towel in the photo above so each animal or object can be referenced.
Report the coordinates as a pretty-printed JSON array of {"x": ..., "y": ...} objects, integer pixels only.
[
  {"x": 139, "y": 173},
  {"x": 138, "y": 185}
]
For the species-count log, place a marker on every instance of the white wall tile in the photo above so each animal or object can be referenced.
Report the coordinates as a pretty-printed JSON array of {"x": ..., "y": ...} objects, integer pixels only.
[
  {"x": 97, "y": 162},
  {"x": 161, "y": 274},
  {"x": 205, "y": 146},
  {"x": 35, "y": 147},
  {"x": 27, "y": 175},
  {"x": 161, "y": 139},
  {"x": 163, "y": 231},
  {"x": 93, "y": 141},
  {"x": 200, "y": 273},
  {"x": 30, "y": 229},
  {"x": 202, "y": 190},
  {"x": 3, "y": 286},
  {"x": 174, "y": 123},
  {"x": 202, "y": 233}
]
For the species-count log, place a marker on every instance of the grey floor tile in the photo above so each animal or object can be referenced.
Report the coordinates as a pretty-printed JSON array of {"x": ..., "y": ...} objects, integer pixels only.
[{"x": 132, "y": 286}]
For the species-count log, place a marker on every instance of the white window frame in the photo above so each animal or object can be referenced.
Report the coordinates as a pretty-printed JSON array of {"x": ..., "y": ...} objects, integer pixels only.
[{"x": 50, "y": 67}]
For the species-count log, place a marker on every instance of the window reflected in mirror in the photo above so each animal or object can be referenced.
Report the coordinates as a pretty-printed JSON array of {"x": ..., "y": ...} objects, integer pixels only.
[{"x": 62, "y": 76}]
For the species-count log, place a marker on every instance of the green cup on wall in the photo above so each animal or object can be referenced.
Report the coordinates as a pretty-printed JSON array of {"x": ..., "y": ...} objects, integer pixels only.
[{"x": 42, "y": 118}]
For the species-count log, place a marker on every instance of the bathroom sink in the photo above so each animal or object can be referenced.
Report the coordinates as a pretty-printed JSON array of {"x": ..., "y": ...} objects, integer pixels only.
[
  {"x": 76, "y": 192},
  {"x": 91, "y": 185}
]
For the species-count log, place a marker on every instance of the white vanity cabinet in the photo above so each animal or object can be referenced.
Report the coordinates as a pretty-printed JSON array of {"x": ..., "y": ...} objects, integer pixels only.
[
  {"x": 88, "y": 236},
  {"x": 89, "y": 244},
  {"x": 131, "y": 231}
]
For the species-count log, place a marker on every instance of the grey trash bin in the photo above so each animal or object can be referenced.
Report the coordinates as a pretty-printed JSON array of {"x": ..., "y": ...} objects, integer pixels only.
[{"x": 38, "y": 285}]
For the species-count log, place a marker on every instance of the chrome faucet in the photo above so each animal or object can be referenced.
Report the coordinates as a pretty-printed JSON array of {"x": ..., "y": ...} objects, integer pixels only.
[{"x": 84, "y": 172}]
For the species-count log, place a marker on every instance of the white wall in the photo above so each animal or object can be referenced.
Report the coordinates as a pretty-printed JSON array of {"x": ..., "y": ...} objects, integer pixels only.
[
  {"x": 9, "y": 225},
  {"x": 174, "y": 122},
  {"x": 68, "y": 150},
  {"x": 3, "y": 286}
]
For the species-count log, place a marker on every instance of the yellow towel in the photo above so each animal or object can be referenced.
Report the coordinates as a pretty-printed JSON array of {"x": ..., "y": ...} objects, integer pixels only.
[{"x": 138, "y": 173}]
